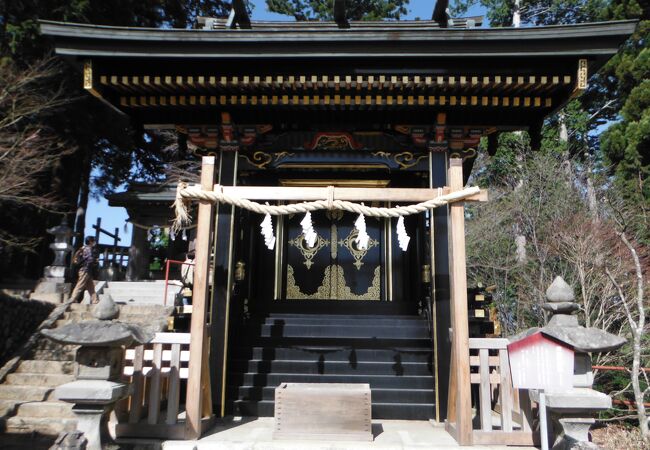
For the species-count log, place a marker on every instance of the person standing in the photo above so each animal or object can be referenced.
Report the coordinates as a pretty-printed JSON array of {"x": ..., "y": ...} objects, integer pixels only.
[
  {"x": 187, "y": 277},
  {"x": 86, "y": 260}
]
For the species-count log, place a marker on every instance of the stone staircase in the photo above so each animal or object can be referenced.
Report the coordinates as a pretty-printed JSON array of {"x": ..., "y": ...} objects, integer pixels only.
[
  {"x": 27, "y": 403},
  {"x": 18, "y": 288},
  {"x": 140, "y": 292}
]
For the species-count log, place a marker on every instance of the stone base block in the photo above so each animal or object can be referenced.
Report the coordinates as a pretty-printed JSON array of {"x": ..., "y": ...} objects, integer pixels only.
[
  {"x": 53, "y": 286},
  {"x": 96, "y": 392},
  {"x": 56, "y": 273},
  {"x": 49, "y": 298},
  {"x": 574, "y": 434}
]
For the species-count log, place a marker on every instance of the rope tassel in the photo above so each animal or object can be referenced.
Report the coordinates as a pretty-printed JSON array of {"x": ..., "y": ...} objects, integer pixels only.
[{"x": 182, "y": 216}]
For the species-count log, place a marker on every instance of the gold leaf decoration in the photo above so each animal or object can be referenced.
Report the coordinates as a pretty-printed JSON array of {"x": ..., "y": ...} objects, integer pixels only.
[{"x": 333, "y": 286}]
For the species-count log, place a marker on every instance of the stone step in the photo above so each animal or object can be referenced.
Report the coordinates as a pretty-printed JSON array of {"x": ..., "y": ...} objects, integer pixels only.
[
  {"x": 76, "y": 316},
  {"x": 7, "y": 407},
  {"x": 135, "y": 290},
  {"x": 46, "y": 344},
  {"x": 37, "y": 379},
  {"x": 43, "y": 425},
  {"x": 47, "y": 367},
  {"x": 60, "y": 410},
  {"x": 145, "y": 301},
  {"x": 126, "y": 309},
  {"x": 25, "y": 441},
  {"x": 17, "y": 292},
  {"x": 46, "y": 355},
  {"x": 26, "y": 393}
]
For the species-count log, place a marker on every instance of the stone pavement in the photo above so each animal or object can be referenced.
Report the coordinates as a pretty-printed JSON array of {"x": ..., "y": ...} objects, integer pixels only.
[{"x": 256, "y": 434}]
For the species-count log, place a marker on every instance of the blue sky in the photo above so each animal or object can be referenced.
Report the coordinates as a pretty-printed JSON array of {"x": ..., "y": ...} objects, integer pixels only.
[{"x": 116, "y": 217}]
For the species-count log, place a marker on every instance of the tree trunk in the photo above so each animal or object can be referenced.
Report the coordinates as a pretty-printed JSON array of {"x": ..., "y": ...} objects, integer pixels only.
[
  {"x": 82, "y": 202},
  {"x": 638, "y": 330},
  {"x": 516, "y": 14},
  {"x": 636, "y": 386}
]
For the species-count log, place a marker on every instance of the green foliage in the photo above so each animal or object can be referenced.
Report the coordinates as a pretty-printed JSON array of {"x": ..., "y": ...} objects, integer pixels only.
[
  {"x": 625, "y": 145},
  {"x": 614, "y": 382},
  {"x": 324, "y": 9},
  {"x": 118, "y": 152},
  {"x": 529, "y": 193},
  {"x": 19, "y": 18},
  {"x": 102, "y": 141},
  {"x": 535, "y": 12}
]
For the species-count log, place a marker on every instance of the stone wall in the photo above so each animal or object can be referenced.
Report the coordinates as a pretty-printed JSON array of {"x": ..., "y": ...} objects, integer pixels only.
[{"x": 18, "y": 320}]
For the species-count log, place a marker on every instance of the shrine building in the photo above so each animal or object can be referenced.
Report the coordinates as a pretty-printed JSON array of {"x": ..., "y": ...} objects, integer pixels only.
[{"x": 384, "y": 113}]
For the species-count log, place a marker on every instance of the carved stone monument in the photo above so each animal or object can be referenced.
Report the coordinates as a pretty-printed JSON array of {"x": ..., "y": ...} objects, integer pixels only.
[
  {"x": 100, "y": 359},
  {"x": 572, "y": 410}
]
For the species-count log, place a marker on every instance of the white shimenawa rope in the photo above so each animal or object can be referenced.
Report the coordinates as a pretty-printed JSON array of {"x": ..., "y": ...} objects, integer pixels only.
[{"x": 185, "y": 194}]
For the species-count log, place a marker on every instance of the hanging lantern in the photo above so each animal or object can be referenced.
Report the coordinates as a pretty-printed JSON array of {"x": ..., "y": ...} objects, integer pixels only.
[{"x": 267, "y": 232}]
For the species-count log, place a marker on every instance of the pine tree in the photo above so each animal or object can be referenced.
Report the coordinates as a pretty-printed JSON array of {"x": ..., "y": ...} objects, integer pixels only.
[{"x": 324, "y": 9}]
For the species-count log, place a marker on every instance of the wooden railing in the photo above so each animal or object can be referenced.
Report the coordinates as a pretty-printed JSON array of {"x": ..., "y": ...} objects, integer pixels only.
[
  {"x": 113, "y": 255},
  {"x": 157, "y": 371},
  {"x": 505, "y": 413}
]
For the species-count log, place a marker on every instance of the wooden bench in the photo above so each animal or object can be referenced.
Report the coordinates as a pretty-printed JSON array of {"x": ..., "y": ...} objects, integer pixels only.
[{"x": 327, "y": 411}]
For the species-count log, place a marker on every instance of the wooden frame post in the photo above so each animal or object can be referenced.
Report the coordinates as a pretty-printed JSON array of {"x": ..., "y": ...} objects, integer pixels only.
[
  {"x": 459, "y": 408},
  {"x": 198, "y": 379}
]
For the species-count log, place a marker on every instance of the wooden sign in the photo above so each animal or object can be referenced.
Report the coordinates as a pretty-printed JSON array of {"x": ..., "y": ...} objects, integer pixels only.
[{"x": 539, "y": 361}]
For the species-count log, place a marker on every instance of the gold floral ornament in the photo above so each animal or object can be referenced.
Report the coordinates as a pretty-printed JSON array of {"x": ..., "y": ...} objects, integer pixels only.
[
  {"x": 334, "y": 286},
  {"x": 350, "y": 242},
  {"x": 307, "y": 252}
]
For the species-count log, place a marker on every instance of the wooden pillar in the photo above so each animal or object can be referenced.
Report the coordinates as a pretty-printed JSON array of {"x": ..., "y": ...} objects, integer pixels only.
[
  {"x": 198, "y": 377},
  {"x": 459, "y": 406},
  {"x": 440, "y": 286},
  {"x": 138, "y": 265},
  {"x": 438, "y": 172}
]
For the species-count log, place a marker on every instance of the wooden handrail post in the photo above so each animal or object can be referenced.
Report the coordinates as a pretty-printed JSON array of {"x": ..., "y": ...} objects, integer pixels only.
[
  {"x": 98, "y": 226},
  {"x": 198, "y": 331},
  {"x": 116, "y": 239},
  {"x": 459, "y": 319}
]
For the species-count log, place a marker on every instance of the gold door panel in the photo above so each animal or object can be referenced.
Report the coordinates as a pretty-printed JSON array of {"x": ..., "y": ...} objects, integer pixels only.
[{"x": 334, "y": 286}]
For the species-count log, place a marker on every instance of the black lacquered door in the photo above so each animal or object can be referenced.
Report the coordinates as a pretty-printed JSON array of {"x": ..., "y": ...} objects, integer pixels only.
[{"x": 335, "y": 268}]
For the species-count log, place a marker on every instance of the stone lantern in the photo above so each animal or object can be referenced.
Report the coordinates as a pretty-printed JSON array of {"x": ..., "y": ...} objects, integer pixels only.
[
  {"x": 61, "y": 247},
  {"x": 97, "y": 387},
  {"x": 52, "y": 287},
  {"x": 572, "y": 410}
]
